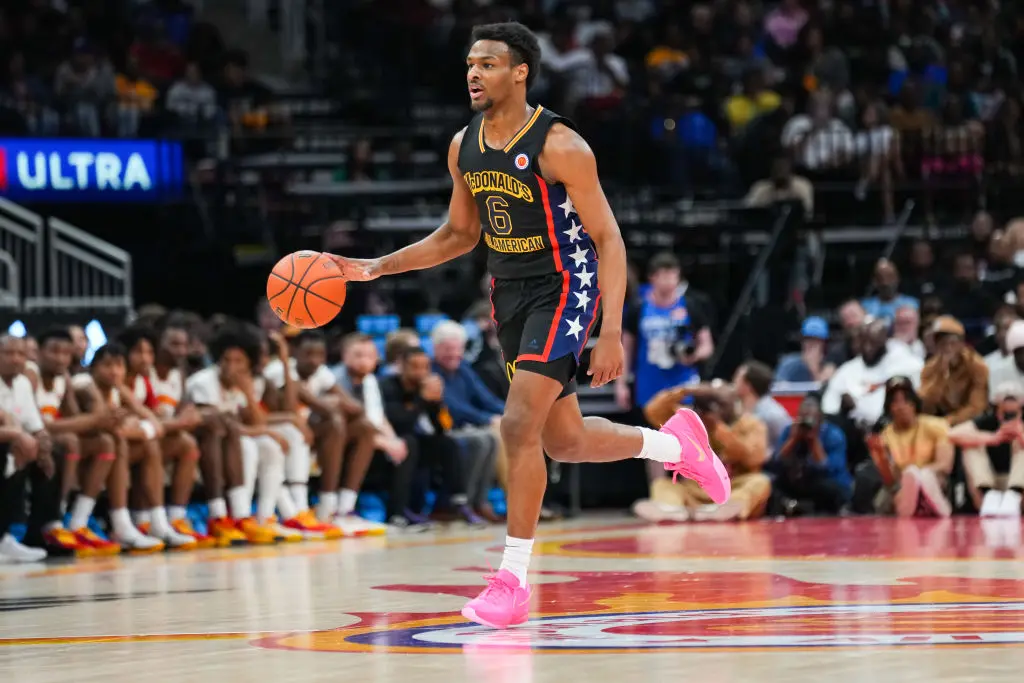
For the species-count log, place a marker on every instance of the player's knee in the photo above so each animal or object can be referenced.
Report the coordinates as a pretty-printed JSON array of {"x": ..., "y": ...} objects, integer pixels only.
[
  {"x": 69, "y": 443},
  {"x": 105, "y": 444},
  {"x": 564, "y": 447},
  {"x": 519, "y": 426},
  {"x": 187, "y": 443}
]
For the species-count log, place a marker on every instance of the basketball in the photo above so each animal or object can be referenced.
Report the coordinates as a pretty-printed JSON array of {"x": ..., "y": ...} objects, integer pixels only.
[{"x": 306, "y": 289}]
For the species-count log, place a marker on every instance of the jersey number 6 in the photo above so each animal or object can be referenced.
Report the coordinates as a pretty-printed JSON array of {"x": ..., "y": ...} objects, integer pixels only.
[{"x": 501, "y": 222}]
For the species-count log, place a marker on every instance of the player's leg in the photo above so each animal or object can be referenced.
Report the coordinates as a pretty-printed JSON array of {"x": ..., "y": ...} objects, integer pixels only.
[
  {"x": 358, "y": 455},
  {"x": 240, "y": 499},
  {"x": 181, "y": 452},
  {"x": 293, "y": 498},
  {"x": 330, "y": 437},
  {"x": 219, "y": 461},
  {"x": 99, "y": 455},
  {"x": 125, "y": 533},
  {"x": 70, "y": 446},
  {"x": 44, "y": 527},
  {"x": 12, "y": 505},
  {"x": 270, "y": 485}
]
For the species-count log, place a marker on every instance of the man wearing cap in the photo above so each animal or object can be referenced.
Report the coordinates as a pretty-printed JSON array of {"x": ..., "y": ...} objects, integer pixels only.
[
  {"x": 954, "y": 382},
  {"x": 993, "y": 454},
  {"x": 1011, "y": 368},
  {"x": 808, "y": 365}
]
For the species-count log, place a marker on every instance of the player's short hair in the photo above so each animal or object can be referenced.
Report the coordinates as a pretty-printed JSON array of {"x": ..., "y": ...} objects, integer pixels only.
[
  {"x": 310, "y": 337},
  {"x": 111, "y": 350},
  {"x": 664, "y": 260},
  {"x": 523, "y": 47},
  {"x": 233, "y": 335},
  {"x": 54, "y": 334},
  {"x": 353, "y": 338},
  {"x": 759, "y": 376},
  {"x": 131, "y": 336},
  {"x": 410, "y": 351}
]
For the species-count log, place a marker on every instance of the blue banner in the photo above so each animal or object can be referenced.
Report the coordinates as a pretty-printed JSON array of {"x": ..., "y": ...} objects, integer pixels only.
[{"x": 90, "y": 170}]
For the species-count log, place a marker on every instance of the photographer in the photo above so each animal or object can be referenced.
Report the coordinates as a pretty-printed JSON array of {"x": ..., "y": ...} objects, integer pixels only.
[
  {"x": 665, "y": 336},
  {"x": 741, "y": 441},
  {"x": 993, "y": 454},
  {"x": 810, "y": 463}
]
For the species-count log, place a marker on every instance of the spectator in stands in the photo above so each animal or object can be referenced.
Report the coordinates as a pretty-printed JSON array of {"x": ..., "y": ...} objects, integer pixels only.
[
  {"x": 476, "y": 413},
  {"x": 665, "y": 337},
  {"x": 913, "y": 455},
  {"x": 135, "y": 99},
  {"x": 27, "y": 99},
  {"x": 752, "y": 384},
  {"x": 924, "y": 278},
  {"x": 485, "y": 352},
  {"x": 159, "y": 60},
  {"x": 887, "y": 298},
  {"x": 809, "y": 364},
  {"x": 1011, "y": 368},
  {"x": 857, "y": 389},
  {"x": 84, "y": 86},
  {"x": 601, "y": 81},
  {"x": 810, "y": 463},
  {"x": 993, "y": 454},
  {"x": 753, "y": 100},
  {"x": 965, "y": 298},
  {"x": 414, "y": 404},
  {"x": 954, "y": 382},
  {"x": 243, "y": 100},
  {"x": 783, "y": 25},
  {"x": 741, "y": 441},
  {"x": 821, "y": 143},
  {"x": 688, "y": 138},
  {"x": 906, "y": 330},
  {"x": 851, "y": 319},
  {"x": 355, "y": 375},
  {"x": 878, "y": 150},
  {"x": 395, "y": 346},
  {"x": 1004, "y": 317},
  {"x": 24, "y": 438},
  {"x": 782, "y": 186},
  {"x": 667, "y": 59},
  {"x": 191, "y": 98}
]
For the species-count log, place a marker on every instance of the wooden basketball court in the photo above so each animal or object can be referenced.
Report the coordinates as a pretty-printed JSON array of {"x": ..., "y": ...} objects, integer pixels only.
[{"x": 865, "y": 600}]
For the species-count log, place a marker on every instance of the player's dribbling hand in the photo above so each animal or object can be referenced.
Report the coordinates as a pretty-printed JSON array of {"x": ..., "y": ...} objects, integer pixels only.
[
  {"x": 356, "y": 269},
  {"x": 606, "y": 360}
]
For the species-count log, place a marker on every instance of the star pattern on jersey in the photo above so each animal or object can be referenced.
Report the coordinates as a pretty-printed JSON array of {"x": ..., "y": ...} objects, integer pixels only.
[
  {"x": 574, "y": 328},
  {"x": 582, "y": 299},
  {"x": 579, "y": 256},
  {"x": 585, "y": 277},
  {"x": 567, "y": 206},
  {"x": 573, "y": 232}
]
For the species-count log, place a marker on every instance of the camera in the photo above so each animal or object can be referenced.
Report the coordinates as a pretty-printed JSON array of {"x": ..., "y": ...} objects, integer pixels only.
[
  {"x": 806, "y": 423},
  {"x": 1010, "y": 416},
  {"x": 682, "y": 348}
]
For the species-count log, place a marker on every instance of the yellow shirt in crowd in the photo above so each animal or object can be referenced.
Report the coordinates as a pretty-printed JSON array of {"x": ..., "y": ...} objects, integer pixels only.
[
  {"x": 137, "y": 91},
  {"x": 917, "y": 445},
  {"x": 740, "y": 109}
]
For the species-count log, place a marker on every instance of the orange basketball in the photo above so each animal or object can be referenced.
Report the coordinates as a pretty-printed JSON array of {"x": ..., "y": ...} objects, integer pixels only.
[{"x": 306, "y": 289}]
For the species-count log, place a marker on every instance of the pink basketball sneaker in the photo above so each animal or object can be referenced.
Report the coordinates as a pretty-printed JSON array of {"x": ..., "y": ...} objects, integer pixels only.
[
  {"x": 698, "y": 461},
  {"x": 502, "y": 604}
]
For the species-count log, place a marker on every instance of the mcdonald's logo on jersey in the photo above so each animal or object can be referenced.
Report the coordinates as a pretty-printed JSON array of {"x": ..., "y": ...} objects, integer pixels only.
[{"x": 498, "y": 181}]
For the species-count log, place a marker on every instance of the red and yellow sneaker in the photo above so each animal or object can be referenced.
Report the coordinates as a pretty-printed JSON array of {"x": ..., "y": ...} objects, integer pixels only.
[
  {"x": 99, "y": 546},
  {"x": 309, "y": 526},
  {"x": 256, "y": 532},
  {"x": 284, "y": 533},
  {"x": 65, "y": 542},
  {"x": 184, "y": 527},
  {"x": 226, "y": 533}
]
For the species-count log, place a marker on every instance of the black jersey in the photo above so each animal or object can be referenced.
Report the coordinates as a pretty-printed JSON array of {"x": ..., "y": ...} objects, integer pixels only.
[{"x": 530, "y": 226}]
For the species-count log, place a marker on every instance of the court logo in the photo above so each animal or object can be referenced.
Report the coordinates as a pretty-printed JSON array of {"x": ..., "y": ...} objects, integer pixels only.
[{"x": 522, "y": 161}]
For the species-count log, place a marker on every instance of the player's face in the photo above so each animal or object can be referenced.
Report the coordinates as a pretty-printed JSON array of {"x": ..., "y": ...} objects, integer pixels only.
[
  {"x": 490, "y": 74},
  {"x": 140, "y": 358},
  {"x": 234, "y": 364},
  {"x": 55, "y": 356},
  {"x": 175, "y": 344},
  {"x": 109, "y": 371},
  {"x": 309, "y": 357},
  {"x": 361, "y": 358},
  {"x": 81, "y": 342}
]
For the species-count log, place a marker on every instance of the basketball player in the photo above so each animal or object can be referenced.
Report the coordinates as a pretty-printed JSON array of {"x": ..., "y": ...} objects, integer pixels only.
[
  {"x": 86, "y": 439},
  {"x": 525, "y": 177}
]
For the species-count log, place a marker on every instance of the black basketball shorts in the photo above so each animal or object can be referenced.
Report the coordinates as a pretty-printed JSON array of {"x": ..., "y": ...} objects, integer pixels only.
[{"x": 543, "y": 324}]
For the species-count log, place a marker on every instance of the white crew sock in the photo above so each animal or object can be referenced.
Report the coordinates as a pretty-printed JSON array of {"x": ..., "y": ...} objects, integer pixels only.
[
  {"x": 160, "y": 526},
  {"x": 218, "y": 508},
  {"x": 347, "y": 501},
  {"x": 327, "y": 506},
  {"x": 659, "y": 446},
  {"x": 285, "y": 505},
  {"x": 81, "y": 511},
  {"x": 176, "y": 512},
  {"x": 517, "y": 557},
  {"x": 271, "y": 478},
  {"x": 122, "y": 523},
  {"x": 240, "y": 502},
  {"x": 300, "y": 494},
  {"x": 250, "y": 468},
  {"x": 140, "y": 517}
]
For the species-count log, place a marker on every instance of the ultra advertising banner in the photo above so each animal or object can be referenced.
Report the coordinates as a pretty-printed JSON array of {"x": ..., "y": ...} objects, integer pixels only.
[{"x": 90, "y": 170}]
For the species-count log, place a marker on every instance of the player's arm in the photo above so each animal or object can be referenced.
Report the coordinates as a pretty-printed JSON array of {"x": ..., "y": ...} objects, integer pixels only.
[
  {"x": 72, "y": 419},
  {"x": 568, "y": 159},
  {"x": 147, "y": 425},
  {"x": 456, "y": 236}
]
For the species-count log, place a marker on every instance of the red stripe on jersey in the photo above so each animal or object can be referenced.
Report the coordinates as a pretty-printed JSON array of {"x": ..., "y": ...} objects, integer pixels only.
[
  {"x": 546, "y": 201},
  {"x": 553, "y": 330}
]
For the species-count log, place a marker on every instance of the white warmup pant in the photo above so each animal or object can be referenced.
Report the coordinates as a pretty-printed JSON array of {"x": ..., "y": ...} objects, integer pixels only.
[
  {"x": 263, "y": 461},
  {"x": 294, "y": 496}
]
